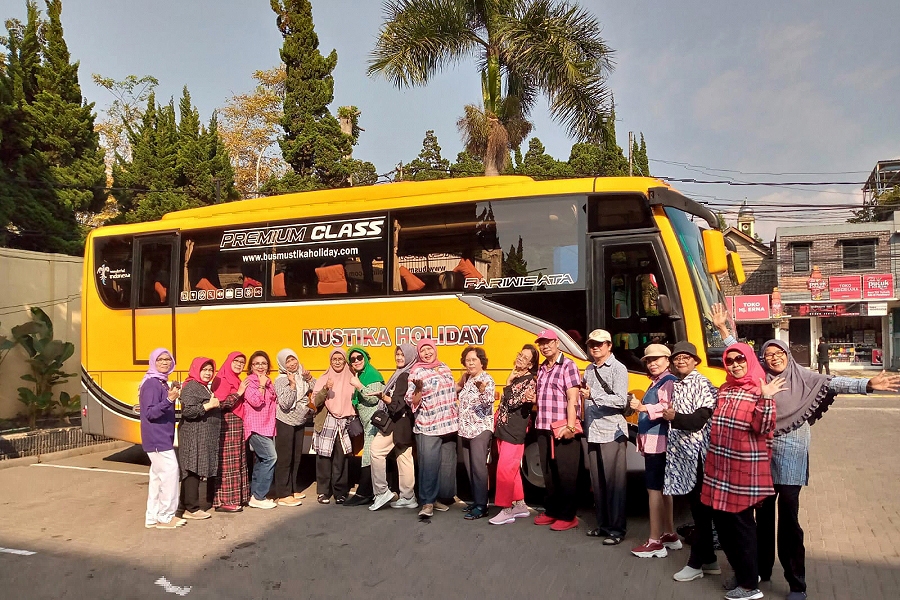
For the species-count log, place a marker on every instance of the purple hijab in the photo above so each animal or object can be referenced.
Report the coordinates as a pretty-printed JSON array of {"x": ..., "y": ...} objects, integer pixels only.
[
  {"x": 152, "y": 373},
  {"x": 805, "y": 396}
]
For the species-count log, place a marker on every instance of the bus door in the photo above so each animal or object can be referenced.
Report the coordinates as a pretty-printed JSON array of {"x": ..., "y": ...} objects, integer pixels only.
[
  {"x": 153, "y": 312},
  {"x": 633, "y": 295}
]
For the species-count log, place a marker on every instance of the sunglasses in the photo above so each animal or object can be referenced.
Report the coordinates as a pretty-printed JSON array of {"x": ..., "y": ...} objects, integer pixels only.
[
  {"x": 737, "y": 358},
  {"x": 356, "y": 359}
]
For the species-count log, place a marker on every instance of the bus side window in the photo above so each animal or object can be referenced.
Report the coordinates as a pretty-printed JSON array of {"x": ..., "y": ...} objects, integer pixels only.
[
  {"x": 113, "y": 273},
  {"x": 156, "y": 279}
]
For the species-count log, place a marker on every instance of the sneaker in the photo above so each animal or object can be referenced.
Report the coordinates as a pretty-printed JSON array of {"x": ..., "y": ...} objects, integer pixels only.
[
  {"x": 323, "y": 499},
  {"x": 289, "y": 501},
  {"x": 477, "y": 512},
  {"x": 340, "y": 499},
  {"x": 299, "y": 496},
  {"x": 197, "y": 515},
  {"x": 441, "y": 506},
  {"x": 382, "y": 499},
  {"x": 731, "y": 582},
  {"x": 560, "y": 525},
  {"x": 264, "y": 503},
  {"x": 180, "y": 522},
  {"x": 150, "y": 525},
  {"x": 520, "y": 510},
  {"x": 358, "y": 500},
  {"x": 405, "y": 503},
  {"x": 427, "y": 511},
  {"x": 688, "y": 574},
  {"x": 173, "y": 524},
  {"x": 649, "y": 550},
  {"x": 670, "y": 541},
  {"x": 740, "y": 593},
  {"x": 712, "y": 568},
  {"x": 503, "y": 517},
  {"x": 230, "y": 508},
  {"x": 543, "y": 519}
]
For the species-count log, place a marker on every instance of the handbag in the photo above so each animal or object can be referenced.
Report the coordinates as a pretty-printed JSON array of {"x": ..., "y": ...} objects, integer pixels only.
[
  {"x": 383, "y": 422},
  {"x": 354, "y": 426},
  {"x": 627, "y": 411},
  {"x": 557, "y": 427}
]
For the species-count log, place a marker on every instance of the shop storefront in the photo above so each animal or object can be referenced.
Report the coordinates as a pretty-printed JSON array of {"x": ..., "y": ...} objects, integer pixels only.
[
  {"x": 854, "y": 331},
  {"x": 754, "y": 317}
]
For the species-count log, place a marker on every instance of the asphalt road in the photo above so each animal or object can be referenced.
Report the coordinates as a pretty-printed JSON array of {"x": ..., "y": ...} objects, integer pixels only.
[{"x": 82, "y": 518}]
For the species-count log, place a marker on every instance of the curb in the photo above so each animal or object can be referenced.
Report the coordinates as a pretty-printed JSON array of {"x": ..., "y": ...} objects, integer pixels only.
[{"x": 51, "y": 456}]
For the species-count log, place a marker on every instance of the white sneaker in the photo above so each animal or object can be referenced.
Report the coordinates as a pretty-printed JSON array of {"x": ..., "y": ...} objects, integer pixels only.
[
  {"x": 405, "y": 503},
  {"x": 381, "y": 500},
  {"x": 688, "y": 574},
  {"x": 712, "y": 568},
  {"x": 520, "y": 510},
  {"x": 264, "y": 503},
  {"x": 503, "y": 517}
]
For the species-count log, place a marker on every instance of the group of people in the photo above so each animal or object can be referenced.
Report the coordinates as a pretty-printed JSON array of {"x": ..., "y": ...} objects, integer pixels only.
[{"x": 737, "y": 452}]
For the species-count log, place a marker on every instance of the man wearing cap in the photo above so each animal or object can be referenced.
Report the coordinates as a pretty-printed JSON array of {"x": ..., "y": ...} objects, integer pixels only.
[
  {"x": 693, "y": 401},
  {"x": 651, "y": 442},
  {"x": 605, "y": 394},
  {"x": 557, "y": 396}
]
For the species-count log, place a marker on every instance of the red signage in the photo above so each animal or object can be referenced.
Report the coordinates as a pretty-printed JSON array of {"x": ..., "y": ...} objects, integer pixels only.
[
  {"x": 747, "y": 308},
  {"x": 878, "y": 286},
  {"x": 845, "y": 287},
  {"x": 825, "y": 310}
]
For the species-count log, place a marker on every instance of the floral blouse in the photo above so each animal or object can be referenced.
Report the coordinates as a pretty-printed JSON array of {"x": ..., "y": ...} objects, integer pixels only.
[{"x": 476, "y": 409}]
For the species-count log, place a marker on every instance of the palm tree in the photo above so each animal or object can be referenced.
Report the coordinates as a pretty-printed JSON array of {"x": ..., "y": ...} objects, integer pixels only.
[{"x": 522, "y": 48}]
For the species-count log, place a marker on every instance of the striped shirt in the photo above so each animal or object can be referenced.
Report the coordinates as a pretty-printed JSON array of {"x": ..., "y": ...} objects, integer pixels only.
[
  {"x": 603, "y": 411},
  {"x": 437, "y": 413},
  {"x": 553, "y": 381}
]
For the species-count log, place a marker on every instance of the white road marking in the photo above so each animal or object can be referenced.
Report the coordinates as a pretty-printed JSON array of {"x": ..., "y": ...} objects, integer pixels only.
[
  {"x": 90, "y": 469},
  {"x": 19, "y": 552},
  {"x": 172, "y": 589},
  {"x": 878, "y": 408}
]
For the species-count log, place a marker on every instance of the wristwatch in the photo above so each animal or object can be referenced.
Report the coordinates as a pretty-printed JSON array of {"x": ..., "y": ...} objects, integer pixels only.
[{"x": 570, "y": 428}]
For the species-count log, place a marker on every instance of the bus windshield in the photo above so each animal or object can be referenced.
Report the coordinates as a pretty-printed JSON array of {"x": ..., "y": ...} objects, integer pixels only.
[{"x": 705, "y": 284}]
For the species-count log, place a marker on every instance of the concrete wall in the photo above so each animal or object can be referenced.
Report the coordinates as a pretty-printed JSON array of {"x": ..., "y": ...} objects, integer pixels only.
[{"x": 53, "y": 283}]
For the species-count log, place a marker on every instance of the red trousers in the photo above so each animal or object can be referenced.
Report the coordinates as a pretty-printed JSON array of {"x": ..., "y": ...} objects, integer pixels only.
[{"x": 509, "y": 477}]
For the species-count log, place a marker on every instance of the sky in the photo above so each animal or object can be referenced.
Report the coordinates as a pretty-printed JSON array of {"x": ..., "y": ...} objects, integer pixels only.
[{"x": 724, "y": 90}]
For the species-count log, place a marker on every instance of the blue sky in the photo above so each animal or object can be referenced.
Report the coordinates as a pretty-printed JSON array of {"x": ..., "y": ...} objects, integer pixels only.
[{"x": 762, "y": 87}]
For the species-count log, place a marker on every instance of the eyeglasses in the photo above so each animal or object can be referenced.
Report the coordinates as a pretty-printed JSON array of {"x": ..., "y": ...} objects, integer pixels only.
[
  {"x": 593, "y": 345},
  {"x": 776, "y": 354},
  {"x": 681, "y": 358},
  {"x": 356, "y": 358},
  {"x": 259, "y": 364},
  {"x": 338, "y": 359},
  {"x": 738, "y": 358}
]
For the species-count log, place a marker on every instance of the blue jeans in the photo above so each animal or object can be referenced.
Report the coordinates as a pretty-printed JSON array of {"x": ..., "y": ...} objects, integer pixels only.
[
  {"x": 437, "y": 467},
  {"x": 264, "y": 469}
]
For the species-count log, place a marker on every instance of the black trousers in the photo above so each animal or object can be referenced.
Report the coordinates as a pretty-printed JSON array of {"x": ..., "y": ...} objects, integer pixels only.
[
  {"x": 702, "y": 549},
  {"x": 791, "y": 552},
  {"x": 606, "y": 463},
  {"x": 827, "y": 367},
  {"x": 737, "y": 535},
  {"x": 474, "y": 452},
  {"x": 332, "y": 474},
  {"x": 560, "y": 474},
  {"x": 289, "y": 450},
  {"x": 190, "y": 492}
]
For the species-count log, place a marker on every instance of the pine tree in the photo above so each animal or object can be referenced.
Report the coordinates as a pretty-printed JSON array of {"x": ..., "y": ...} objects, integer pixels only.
[
  {"x": 429, "y": 164},
  {"x": 540, "y": 165},
  {"x": 467, "y": 165},
  {"x": 602, "y": 159},
  {"x": 313, "y": 144},
  {"x": 640, "y": 162},
  {"x": 514, "y": 263}
]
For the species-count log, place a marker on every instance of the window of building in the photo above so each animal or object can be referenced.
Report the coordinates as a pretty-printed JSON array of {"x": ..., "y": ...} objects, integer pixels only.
[
  {"x": 490, "y": 247},
  {"x": 858, "y": 255},
  {"x": 801, "y": 257},
  {"x": 112, "y": 257}
]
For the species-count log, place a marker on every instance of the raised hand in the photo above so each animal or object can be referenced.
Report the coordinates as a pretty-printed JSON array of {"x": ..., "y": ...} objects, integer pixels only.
[
  {"x": 773, "y": 387},
  {"x": 330, "y": 383},
  {"x": 669, "y": 414},
  {"x": 242, "y": 388},
  {"x": 635, "y": 404},
  {"x": 720, "y": 316},
  {"x": 417, "y": 386},
  {"x": 530, "y": 395},
  {"x": 480, "y": 385},
  {"x": 885, "y": 383},
  {"x": 307, "y": 376}
]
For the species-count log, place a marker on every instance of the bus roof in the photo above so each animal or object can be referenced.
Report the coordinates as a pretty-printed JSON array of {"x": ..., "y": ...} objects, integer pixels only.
[{"x": 404, "y": 194}]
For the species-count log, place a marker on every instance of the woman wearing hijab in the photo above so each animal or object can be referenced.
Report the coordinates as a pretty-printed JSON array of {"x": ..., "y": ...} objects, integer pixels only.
[
  {"x": 259, "y": 428},
  {"x": 291, "y": 388},
  {"x": 737, "y": 475},
  {"x": 806, "y": 396},
  {"x": 432, "y": 396},
  {"x": 233, "y": 483},
  {"x": 512, "y": 425},
  {"x": 475, "y": 391},
  {"x": 333, "y": 390},
  {"x": 157, "y": 402},
  {"x": 198, "y": 436},
  {"x": 369, "y": 385},
  {"x": 397, "y": 436}
]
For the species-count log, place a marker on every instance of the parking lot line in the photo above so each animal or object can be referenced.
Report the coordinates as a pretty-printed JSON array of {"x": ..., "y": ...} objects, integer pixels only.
[{"x": 93, "y": 470}]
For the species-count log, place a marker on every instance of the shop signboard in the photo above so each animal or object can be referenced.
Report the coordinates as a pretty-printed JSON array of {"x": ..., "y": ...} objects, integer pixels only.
[
  {"x": 848, "y": 309},
  {"x": 845, "y": 287},
  {"x": 877, "y": 309},
  {"x": 750, "y": 308},
  {"x": 816, "y": 284},
  {"x": 878, "y": 286}
]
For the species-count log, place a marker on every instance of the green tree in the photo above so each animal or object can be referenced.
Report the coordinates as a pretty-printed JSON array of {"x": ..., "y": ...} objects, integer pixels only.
[
  {"x": 123, "y": 114},
  {"x": 429, "y": 164},
  {"x": 640, "y": 162},
  {"x": 514, "y": 263},
  {"x": 540, "y": 165},
  {"x": 880, "y": 208},
  {"x": 466, "y": 165},
  {"x": 600, "y": 159},
  {"x": 523, "y": 48},
  {"x": 313, "y": 143}
]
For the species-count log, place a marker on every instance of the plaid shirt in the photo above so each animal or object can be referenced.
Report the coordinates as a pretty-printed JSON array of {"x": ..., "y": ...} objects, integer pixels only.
[
  {"x": 552, "y": 383},
  {"x": 738, "y": 471},
  {"x": 438, "y": 413},
  {"x": 259, "y": 408}
]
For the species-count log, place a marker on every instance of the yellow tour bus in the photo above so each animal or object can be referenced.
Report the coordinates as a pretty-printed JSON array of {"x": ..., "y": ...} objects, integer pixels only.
[{"x": 485, "y": 261}]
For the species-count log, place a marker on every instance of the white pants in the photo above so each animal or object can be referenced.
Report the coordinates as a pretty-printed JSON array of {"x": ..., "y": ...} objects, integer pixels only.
[
  {"x": 162, "y": 497},
  {"x": 381, "y": 447}
]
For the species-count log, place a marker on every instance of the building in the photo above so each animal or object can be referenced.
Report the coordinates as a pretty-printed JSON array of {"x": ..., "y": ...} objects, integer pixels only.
[{"x": 839, "y": 282}]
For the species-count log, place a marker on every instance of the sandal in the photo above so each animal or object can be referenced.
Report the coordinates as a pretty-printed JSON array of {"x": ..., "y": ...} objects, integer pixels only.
[
  {"x": 323, "y": 499},
  {"x": 596, "y": 532},
  {"x": 612, "y": 540}
]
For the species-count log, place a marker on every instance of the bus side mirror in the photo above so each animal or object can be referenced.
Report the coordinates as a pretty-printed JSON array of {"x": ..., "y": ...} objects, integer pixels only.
[
  {"x": 664, "y": 305},
  {"x": 716, "y": 254},
  {"x": 736, "y": 269}
]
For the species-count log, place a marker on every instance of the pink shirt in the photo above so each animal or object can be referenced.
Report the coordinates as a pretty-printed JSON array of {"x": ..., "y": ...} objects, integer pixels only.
[{"x": 259, "y": 408}]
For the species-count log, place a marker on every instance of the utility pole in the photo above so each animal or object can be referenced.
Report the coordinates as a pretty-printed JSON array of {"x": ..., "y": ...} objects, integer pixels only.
[{"x": 630, "y": 157}]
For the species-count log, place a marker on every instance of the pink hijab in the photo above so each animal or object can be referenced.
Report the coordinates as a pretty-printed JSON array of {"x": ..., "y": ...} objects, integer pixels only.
[
  {"x": 340, "y": 398},
  {"x": 750, "y": 381},
  {"x": 196, "y": 366},
  {"x": 227, "y": 382},
  {"x": 421, "y": 363}
]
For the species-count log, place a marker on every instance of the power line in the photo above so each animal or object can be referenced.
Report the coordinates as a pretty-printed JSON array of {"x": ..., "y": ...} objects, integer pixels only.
[{"x": 686, "y": 164}]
